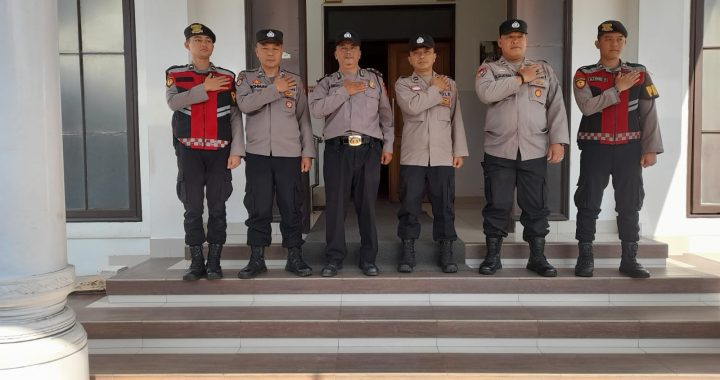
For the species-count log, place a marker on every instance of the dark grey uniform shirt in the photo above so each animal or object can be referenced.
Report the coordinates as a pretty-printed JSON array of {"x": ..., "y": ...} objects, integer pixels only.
[
  {"x": 367, "y": 112},
  {"x": 278, "y": 124},
  {"x": 182, "y": 102},
  {"x": 521, "y": 118},
  {"x": 433, "y": 130}
]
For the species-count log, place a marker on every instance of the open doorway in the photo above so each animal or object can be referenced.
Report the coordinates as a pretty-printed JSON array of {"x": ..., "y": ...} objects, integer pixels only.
[{"x": 384, "y": 47}]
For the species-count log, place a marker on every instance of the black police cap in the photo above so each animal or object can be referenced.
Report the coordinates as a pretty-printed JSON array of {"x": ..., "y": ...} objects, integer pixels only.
[
  {"x": 513, "y": 25},
  {"x": 421, "y": 40},
  {"x": 347, "y": 36},
  {"x": 197, "y": 29},
  {"x": 269, "y": 35},
  {"x": 612, "y": 26}
]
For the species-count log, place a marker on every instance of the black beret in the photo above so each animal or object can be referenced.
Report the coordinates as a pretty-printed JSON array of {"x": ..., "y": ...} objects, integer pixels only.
[
  {"x": 612, "y": 26},
  {"x": 347, "y": 36},
  {"x": 269, "y": 35},
  {"x": 421, "y": 40},
  {"x": 197, "y": 29},
  {"x": 513, "y": 25}
]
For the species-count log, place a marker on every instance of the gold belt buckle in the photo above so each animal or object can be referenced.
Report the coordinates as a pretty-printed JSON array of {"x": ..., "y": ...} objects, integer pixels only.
[{"x": 354, "y": 140}]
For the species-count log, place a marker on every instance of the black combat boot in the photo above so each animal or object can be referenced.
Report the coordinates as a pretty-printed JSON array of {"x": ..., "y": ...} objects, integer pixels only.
[
  {"x": 295, "y": 263},
  {"x": 256, "y": 264},
  {"x": 585, "y": 263},
  {"x": 537, "y": 261},
  {"x": 492, "y": 256},
  {"x": 628, "y": 263},
  {"x": 407, "y": 259},
  {"x": 446, "y": 261},
  {"x": 197, "y": 264},
  {"x": 214, "y": 271}
]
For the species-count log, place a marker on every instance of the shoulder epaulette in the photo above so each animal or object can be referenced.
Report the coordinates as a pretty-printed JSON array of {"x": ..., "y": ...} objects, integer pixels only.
[
  {"x": 249, "y": 71},
  {"x": 588, "y": 67},
  {"x": 224, "y": 69},
  {"x": 374, "y": 71},
  {"x": 175, "y": 67},
  {"x": 290, "y": 72},
  {"x": 637, "y": 65},
  {"x": 325, "y": 76}
]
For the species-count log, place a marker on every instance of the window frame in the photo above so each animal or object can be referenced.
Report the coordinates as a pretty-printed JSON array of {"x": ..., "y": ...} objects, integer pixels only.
[
  {"x": 134, "y": 211},
  {"x": 695, "y": 207}
]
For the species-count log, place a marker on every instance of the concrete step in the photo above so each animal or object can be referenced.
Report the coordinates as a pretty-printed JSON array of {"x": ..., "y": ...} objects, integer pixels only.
[
  {"x": 345, "y": 366},
  {"x": 162, "y": 277}
]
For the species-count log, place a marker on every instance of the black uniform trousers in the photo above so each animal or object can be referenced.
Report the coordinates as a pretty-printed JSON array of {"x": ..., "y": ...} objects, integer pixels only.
[
  {"x": 502, "y": 176},
  {"x": 597, "y": 163},
  {"x": 351, "y": 172},
  {"x": 268, "y": 177},
  {"x": 440, "y": 181},
  {"x": 201, "y": 174}
]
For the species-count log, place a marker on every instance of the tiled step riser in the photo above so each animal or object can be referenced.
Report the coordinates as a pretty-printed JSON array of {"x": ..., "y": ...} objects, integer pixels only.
[
  {"x": 404, "y": 329},
  {"x": 402, "y": 345},
  {"x": 415, "y": 299},
  {"x": 435, "y": 366},
  {"x": 498, "y": 284}
]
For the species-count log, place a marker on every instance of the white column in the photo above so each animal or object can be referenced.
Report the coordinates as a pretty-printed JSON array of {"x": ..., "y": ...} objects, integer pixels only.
[{"x": 39, "y": 335}]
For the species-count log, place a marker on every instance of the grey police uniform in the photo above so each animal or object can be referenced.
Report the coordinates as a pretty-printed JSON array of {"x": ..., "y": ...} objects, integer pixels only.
[
  {"x": 433, "y": 134},
  {"x": 352, "y": 169},
  {"x": 521, "y": 121},
  {"x": 278, "y": 133}
]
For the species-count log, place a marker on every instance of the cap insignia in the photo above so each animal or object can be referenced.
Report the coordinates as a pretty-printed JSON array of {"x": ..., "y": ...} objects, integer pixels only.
[{"x": 196, "y": 28}]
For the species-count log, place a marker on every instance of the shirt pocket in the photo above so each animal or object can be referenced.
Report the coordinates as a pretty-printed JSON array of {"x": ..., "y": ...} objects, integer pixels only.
[
  {"x": 372, "y": 98},
  {"x": 538, "y": 92},
  {"x": 444, "y": 114}
]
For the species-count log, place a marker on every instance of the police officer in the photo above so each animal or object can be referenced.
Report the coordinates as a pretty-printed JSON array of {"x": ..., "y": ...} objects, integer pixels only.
[
  {"x": 433, "y": 146},
  {"x": 279, "y": 148},
  {"x": 618, "y": 136},
  {"x": 358, "y": 138},
  {"x": 525, "y": 129},
  {"x": 208, "y": 139}
]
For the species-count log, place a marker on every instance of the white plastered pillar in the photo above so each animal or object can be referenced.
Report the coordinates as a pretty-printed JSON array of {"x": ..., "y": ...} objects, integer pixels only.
[{"x": 39, "y": 334}]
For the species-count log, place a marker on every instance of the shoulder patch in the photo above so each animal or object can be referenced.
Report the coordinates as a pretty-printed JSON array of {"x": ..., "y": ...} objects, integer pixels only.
[
  {"x": 240, "y": 78},
  {"x": 481, "y": 71},
  {"x": 651, "y": 91},
  {"x": 580, "y": 82}
]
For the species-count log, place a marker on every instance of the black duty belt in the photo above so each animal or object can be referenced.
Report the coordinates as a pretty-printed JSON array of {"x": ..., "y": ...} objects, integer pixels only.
[{"x": 354, "y": 140}]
